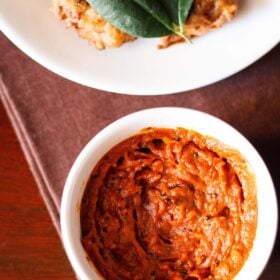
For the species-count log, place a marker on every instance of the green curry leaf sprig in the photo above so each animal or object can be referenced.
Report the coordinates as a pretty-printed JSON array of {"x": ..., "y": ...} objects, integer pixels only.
[{"x": 145, "y": 18}]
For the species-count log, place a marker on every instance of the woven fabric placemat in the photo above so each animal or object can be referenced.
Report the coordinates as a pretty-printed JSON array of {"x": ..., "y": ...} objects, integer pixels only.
[{"x": 54, "y": 118}]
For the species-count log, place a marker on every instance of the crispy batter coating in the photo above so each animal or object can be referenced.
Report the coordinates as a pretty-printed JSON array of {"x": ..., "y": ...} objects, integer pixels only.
[
  {"x": 79, "y": 15},
  {"x": 205, "y": 16}
]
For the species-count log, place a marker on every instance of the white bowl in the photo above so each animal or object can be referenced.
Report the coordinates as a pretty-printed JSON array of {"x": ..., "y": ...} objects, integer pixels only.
[{"x": 170, "y": 117}]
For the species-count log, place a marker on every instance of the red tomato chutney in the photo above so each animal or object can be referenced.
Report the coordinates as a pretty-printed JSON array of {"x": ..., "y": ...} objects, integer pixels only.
[{"x": 169, "y": 204}]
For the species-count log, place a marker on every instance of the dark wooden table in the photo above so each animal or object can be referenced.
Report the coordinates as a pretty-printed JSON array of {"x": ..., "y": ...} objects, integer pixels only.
[{"x": 29, "y": 246}]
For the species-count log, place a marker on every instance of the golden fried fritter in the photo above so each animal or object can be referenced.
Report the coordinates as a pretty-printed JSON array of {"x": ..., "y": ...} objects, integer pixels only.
[
  {"x": 89, "y": 24},
  {"x": 205, "y": 15}
]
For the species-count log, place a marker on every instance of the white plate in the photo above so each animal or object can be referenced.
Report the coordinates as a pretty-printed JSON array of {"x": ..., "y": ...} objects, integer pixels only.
[{"x": 139, "y": 67}]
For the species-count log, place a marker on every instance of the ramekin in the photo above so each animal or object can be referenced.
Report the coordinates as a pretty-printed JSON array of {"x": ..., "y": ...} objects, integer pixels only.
[{"x": 169, "y": 117}]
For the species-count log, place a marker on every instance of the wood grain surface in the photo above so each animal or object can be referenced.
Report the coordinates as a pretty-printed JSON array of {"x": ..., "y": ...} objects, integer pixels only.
[{"x": 29, "y": 245}]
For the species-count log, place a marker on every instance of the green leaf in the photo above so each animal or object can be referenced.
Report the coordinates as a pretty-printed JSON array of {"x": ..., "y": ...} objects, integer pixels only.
[
  {"x": 184, "y": 7},
  {"x": 141, "y": 18},
  {"x": 179, "y": 11},
  {"x": 145, "y": 18},
  {"x": 172, "y": 6}
]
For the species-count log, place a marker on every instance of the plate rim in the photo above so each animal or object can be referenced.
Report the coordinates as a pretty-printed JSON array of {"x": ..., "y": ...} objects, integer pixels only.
[{"x": 37, "y": 56}]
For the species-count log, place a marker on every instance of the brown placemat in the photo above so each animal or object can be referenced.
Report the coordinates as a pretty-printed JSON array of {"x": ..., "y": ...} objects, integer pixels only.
[{"x": 54, "y": 118}]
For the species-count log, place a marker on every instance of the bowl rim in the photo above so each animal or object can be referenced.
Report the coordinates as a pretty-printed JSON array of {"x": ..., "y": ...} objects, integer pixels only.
[{"x": 85, "y": 153}]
